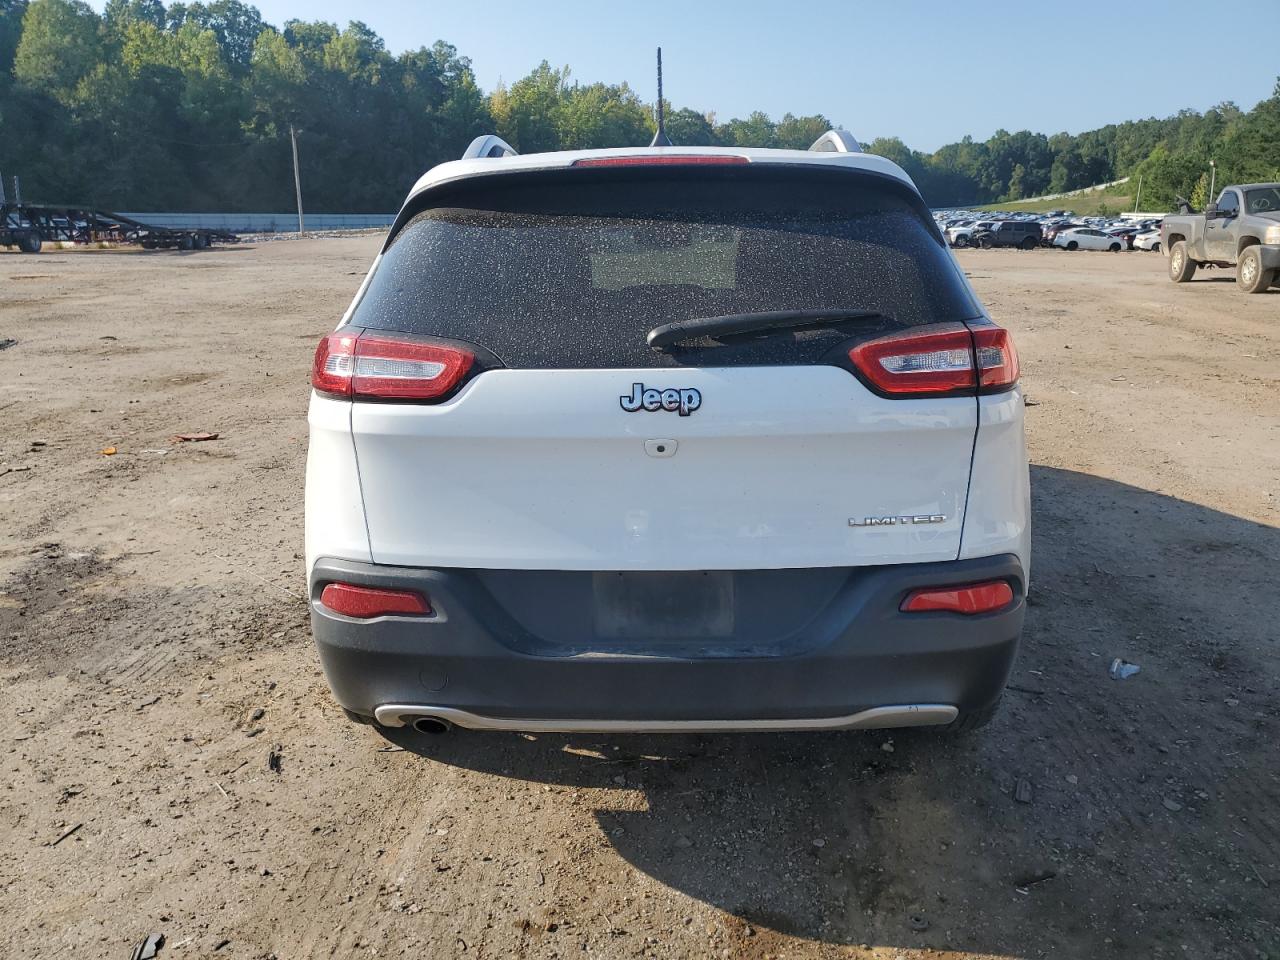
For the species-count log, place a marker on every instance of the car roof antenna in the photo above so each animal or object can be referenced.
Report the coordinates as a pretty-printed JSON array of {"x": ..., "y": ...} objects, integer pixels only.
[{"x": 660, "y": 138}]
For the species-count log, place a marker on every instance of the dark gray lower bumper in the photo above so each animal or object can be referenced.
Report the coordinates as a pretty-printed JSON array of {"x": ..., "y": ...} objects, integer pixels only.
[{"x": 854, "y": 651}]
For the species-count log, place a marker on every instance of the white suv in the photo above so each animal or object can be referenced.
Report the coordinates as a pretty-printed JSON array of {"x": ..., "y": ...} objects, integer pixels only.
[{"x": 666, "y": 439}]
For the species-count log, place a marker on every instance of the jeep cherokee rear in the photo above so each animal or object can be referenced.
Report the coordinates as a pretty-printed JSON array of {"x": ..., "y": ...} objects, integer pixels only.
[{"x": 666, "y": 439}]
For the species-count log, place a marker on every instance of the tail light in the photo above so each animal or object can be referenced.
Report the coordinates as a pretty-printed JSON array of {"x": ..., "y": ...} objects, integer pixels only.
[
  {"x": 365, "y": 603},
  {"x": 365, "y": 366},
  {"x": 943, "y": 359},
  {"x": 939, "y": 361},
  {"x": 997, "y": 359},
  {"x": 972, "y": 599}
]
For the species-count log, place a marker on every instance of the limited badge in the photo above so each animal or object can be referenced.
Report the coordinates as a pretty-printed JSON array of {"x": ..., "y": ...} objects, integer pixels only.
[{"x": 897, "y": 521}]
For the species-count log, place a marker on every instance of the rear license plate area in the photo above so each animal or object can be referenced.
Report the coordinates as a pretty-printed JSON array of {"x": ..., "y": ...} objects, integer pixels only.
[{"x": 647, "y": 605}]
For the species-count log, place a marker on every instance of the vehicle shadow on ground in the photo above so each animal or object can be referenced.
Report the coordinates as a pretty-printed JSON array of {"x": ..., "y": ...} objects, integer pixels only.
[
  {"x": 1231, "y": 279},
  {"x": 915, "y": 839}
]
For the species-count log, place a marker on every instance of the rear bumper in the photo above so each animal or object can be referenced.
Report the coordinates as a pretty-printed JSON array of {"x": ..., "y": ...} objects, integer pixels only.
[{"x": 481, "y": 662}]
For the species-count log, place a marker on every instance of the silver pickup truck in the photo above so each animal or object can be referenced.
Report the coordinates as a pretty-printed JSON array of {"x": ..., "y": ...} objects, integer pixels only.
[{"x": 1242, "y": 229}]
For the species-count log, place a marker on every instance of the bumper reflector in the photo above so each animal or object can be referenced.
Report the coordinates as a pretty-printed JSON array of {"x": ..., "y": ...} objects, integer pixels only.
[
  {"x": 365, "y": 603},
  {"x": 974, "y": 598}
]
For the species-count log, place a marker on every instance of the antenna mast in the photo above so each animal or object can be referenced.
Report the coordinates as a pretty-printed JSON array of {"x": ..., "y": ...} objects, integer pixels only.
[{"x": 660, "y": 138}]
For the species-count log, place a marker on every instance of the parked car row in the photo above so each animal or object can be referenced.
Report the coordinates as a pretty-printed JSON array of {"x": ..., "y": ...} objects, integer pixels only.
[{"x": 1059, "y": 228}]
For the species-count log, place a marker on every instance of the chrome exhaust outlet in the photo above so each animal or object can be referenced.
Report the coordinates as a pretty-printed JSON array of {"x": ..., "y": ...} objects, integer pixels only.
[{"x": 431, "y": 725}]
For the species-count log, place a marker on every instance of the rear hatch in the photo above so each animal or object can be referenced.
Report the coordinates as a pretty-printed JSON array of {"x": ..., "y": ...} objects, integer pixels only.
[{"x": 572, "y": 444}]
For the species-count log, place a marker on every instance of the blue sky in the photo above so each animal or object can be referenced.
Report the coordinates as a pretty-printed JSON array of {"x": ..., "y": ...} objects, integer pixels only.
[{"x": 928, "y": 72}]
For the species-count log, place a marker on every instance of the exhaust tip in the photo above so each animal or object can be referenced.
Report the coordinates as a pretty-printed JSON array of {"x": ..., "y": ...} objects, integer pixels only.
[{"x": 432, "y": 725}]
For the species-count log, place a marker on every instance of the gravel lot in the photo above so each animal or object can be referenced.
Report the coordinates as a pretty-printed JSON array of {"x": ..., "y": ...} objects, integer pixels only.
[{"x": 154, "y": 657}]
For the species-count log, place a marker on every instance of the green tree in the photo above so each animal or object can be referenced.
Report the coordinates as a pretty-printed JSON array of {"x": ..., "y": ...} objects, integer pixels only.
[
  {"x": 60, "y": 45},
  {"x": 1200, "y": 192},
  {"x": 689, "y": 128},
  {"x": 191, "y": 105},
  {"x": 601, "y": 115},
  {"x": 528, "y": 114},
  {"x": 1249, "y": 151},
  {"x": 11, "y": 13},
  {"x": 799, "y": 133},
  {"x": 278, "y": 79},
  {"x": 235, "y": 24},
  {"x": 119, "y": 13},
  {"x": 1017, "y": 183},
  {"x": 755, "y": 131}
]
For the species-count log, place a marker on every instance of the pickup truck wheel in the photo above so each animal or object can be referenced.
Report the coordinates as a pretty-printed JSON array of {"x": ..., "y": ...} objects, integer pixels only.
[
  {"x": 1181, "y": 267},
  {"x": 1249, "y": 273}
]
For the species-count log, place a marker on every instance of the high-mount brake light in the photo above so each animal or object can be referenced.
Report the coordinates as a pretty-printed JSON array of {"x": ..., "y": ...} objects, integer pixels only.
[
  {"x": 662, "y": 160},
  {"x": 972, "y": 599},
  {"x": 365, "y": 603},
  {"x": 936, "y": 360},
  {"x": 997, "y": 358},
  {"x": 378, "y": 367}
]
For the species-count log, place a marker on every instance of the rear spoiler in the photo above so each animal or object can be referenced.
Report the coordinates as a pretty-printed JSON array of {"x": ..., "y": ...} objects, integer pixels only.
[{"x": 491, "y": 145}]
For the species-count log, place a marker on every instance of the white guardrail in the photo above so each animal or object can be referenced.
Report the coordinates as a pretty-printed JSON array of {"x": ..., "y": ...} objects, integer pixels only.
[{"x": 264, "y": 222}]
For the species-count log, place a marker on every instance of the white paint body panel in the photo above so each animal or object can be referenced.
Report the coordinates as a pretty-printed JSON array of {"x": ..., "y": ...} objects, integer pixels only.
[
  {"x": 334, "y": 511},
  {"x": 542, "y": 469},
  {"x": 998, "y": 518},
  {"x": 539, "y": 469}
]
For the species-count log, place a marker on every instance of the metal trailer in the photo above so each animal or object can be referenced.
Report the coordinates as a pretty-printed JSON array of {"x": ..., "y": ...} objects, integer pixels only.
[{"x": 29, "y": 226}]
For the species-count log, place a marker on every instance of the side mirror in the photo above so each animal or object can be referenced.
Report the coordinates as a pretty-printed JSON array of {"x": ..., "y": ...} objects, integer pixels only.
[{"x": 1211, "y": 211}]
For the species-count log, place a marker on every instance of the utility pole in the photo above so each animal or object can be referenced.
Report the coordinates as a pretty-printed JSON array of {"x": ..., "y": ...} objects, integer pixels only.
[
  {"x": 17, "y": 191},
  {"x": 1213, "y": 179},
  {"x": 1138, "y": 199},
  {"x": 1, "y": 188},
  {"x": 297, "y": 180}
]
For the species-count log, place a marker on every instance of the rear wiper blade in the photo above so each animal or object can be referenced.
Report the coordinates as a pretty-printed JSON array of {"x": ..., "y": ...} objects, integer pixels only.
[{"x": 677, "y": 331}]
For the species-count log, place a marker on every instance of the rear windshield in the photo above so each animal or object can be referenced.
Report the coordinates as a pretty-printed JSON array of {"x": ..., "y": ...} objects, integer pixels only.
[{"x": 572, "y": 270}]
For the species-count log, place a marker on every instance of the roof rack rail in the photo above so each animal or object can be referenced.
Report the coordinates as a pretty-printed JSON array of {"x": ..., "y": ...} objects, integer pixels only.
[
  {"x": 489, "y": 145},
  {"x": 836, "y": 141}
]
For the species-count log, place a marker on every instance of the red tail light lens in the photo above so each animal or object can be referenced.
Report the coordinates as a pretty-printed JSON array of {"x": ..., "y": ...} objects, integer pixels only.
[
  {"x": 365, "y": 603},
  {"x": 404, "y": 370},
  {"x": 661, "y": 160},
  {"x": 945, "y": 358},
  {"x": 334, "y": 361},
  {"x": 975, "y": 598},
  {"x": 936, "y": 360},
  {"x": 378, "y": 367},
  {"x": 997, "y": 358}
]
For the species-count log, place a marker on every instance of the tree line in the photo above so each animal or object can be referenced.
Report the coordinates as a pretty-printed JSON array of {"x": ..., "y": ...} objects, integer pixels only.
[{"x": 189, "y": 106}]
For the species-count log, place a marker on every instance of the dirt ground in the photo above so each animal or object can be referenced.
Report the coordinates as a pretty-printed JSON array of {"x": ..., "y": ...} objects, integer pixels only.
[{"x": 155, "y": 657}]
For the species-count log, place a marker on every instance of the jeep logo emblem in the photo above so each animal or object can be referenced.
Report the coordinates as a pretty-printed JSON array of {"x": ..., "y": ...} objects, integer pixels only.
[{"x": 686, "y": 400}]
